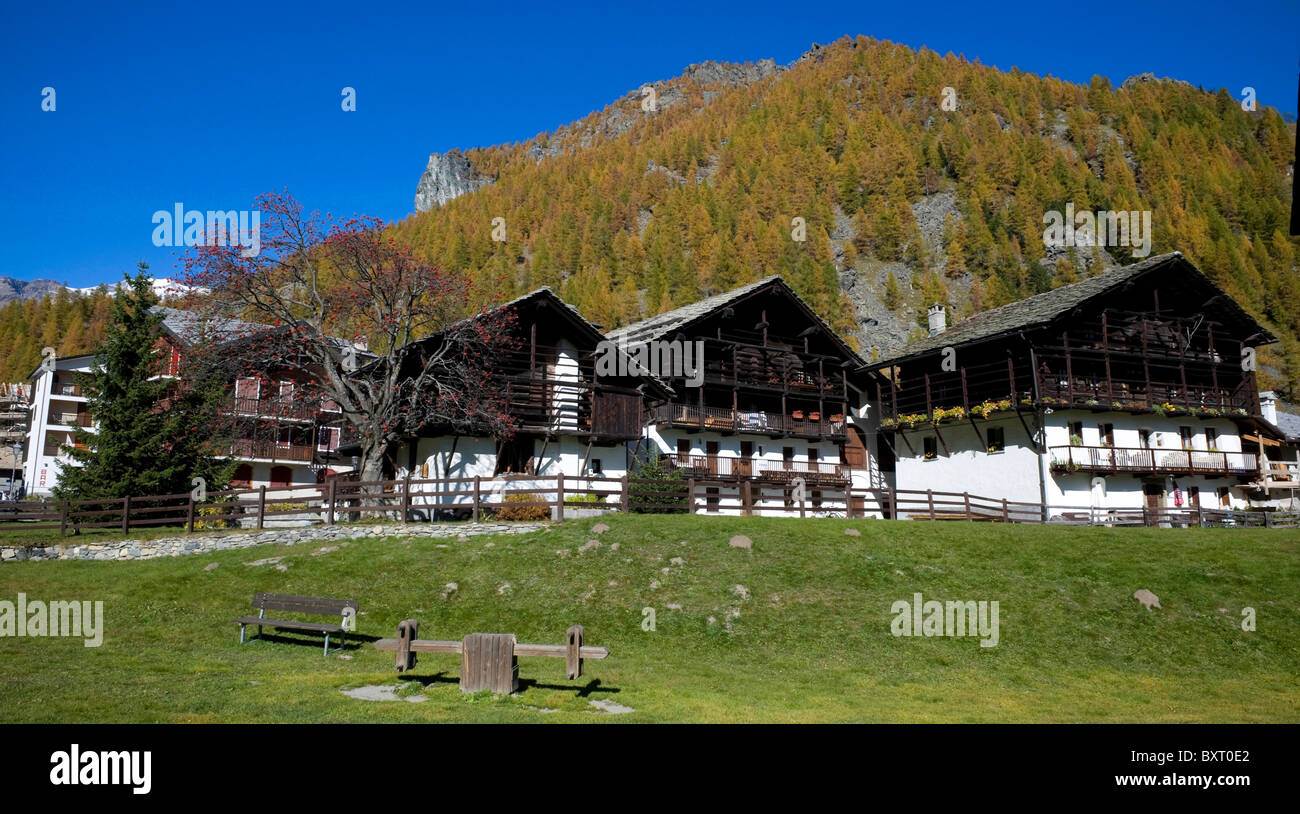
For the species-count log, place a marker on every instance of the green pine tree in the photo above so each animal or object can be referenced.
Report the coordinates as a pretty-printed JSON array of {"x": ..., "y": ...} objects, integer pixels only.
[{"x": 152, "y": 435}]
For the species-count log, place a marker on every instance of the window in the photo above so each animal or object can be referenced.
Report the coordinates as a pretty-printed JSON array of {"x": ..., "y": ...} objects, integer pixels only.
[
  {"x": 1211, "y": 438},
  {"x": 683, "y": 451},
  {"x": 329, "y": 439},
  {"x": 787, "y": 455},
  {"x": 286, "y": 390},
  {"x": 284, "y": 439},
  {"x": 329, "y": 405},
  {"x": 997, "y": 439},
  {"x": 1185, "y": 435},
  {"x": 816, "y": 495},
  {"x": 243, "y": 477},
  {"x": 596, "y": 468},
  {"x": 1225, "y": 497},
  {"x": 281, "y": 476},
  {"x": 1144, "y": 439},
  {"x": 246, "y": 392},
  {"x": 1076, "y": 433},
  {"x": 931, "y": 448},
  {"x": 1106, "y": 432}
]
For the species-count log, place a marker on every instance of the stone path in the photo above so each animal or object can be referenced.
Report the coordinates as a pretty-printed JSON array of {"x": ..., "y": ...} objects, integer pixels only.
[{"x": 70, "y": 549}]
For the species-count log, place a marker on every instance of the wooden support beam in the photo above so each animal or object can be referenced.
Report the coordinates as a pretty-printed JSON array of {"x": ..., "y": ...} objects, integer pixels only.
[{"x": 939, "y": 435}]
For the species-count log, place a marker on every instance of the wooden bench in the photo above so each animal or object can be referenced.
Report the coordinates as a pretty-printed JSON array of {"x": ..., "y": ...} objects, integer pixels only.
[{"x": 320, "y": 606}]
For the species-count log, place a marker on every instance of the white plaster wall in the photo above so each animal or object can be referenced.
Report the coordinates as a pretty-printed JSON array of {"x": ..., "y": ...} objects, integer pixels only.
[
  {"x": 967, "y": 466},
  {"x": 1014, "y": 474}
]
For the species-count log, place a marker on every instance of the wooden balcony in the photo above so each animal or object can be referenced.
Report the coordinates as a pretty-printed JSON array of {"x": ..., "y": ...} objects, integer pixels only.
[
  {"x": 1144, "y": 461},
  {"x": 802, "y": 423},
  {"x": 1132, "y": 395},
  {"x": 1062, "y": 382},
  {"x": 291, "y": 409},
  {"x": 66, "y": 388},
  {"x": 553, "y": 405},
  {"x": 70, "y": 419},
  {"x": 725, "y": 467},
  {"x": 269, "y": 450},
  {"x": 1281, "y": 474}
]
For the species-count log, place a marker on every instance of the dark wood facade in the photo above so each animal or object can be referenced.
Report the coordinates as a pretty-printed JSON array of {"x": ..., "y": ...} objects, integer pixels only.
[{"x": 1158, "y": 337}]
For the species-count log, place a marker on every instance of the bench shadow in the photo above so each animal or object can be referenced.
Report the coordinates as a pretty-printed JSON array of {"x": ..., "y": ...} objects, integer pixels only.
[
  {"x": 353, "y": 642},
  {"x": 525, "y": 684},
  {"x": 583, "y": 691}
]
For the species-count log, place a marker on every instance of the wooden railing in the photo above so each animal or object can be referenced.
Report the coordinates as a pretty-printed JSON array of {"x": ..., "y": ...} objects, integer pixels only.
[
  {"x": 1282, "y": 472},
  {"x": 269, "y": 450},
  {"x": 725, "y": 466},
  {"x": 428, "y": 500},
  {"x": 724, "y": 419},
  {"x": 271, "y": 408},
  {"x": 1153, "y": 461},
  {"x": 71, "y": 419}
]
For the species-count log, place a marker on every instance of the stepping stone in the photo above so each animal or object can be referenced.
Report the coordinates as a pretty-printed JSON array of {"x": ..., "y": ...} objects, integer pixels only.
[
  {"x": 611, "y": 707},
  {"x": 1148, "y": 599}
]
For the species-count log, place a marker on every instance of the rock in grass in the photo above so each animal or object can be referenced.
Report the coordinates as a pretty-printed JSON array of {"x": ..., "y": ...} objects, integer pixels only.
[
  {"x": 853, "y": 532},
  {"x": 1148, "y": 599},
  {"x": 212, "y": 566},
  {"x": 741, "y": 541},
  {"x": 599, "y": 528}
]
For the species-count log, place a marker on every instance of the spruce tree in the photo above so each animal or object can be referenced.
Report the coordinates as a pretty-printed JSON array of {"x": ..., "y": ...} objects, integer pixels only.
[{"x": 152, "y": 433}]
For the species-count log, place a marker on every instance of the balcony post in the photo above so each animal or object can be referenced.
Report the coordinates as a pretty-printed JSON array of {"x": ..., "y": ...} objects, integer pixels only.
[{"x": 559, "y": 496}]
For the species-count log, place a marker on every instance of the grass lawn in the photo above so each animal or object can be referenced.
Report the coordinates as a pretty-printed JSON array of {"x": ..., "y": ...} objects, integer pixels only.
[{"x": 812, "y": 641}]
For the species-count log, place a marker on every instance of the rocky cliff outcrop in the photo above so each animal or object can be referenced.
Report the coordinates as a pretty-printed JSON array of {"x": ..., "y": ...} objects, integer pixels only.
[{"x": 447, "y": 177}]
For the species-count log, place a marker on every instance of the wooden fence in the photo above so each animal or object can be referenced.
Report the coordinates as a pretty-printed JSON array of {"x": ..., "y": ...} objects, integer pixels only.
[{"x": 479, "y": 498}]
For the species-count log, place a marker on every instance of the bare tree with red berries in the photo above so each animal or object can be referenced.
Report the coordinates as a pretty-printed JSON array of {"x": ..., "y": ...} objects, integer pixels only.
[{"x": 385, "y": 338}]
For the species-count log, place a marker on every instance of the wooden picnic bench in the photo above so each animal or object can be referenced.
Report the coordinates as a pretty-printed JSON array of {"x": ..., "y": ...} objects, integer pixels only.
[{"x": 315, "y": 605}]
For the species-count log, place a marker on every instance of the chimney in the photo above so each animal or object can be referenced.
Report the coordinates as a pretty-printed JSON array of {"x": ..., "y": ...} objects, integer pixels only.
[
  {"x": 1268, "y": 406},
  {"x": 938, "y": 320}
]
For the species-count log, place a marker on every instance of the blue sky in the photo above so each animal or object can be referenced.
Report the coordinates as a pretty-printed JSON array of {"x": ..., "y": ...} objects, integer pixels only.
[{"x": 213, "y": 104}]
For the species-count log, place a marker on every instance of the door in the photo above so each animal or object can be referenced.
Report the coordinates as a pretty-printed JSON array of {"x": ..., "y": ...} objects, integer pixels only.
[
  {"x": 1153, "y": 501},
  {"x": 711, "y": 450},
  {"x": 744, "y": 467}
]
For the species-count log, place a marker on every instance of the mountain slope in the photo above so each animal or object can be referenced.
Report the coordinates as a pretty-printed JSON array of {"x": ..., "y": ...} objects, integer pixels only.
[{"x": 629, "y": 212}]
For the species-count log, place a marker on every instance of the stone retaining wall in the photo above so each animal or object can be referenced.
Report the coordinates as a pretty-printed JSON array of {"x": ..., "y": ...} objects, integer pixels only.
[{"x": 207, "y": 543}]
